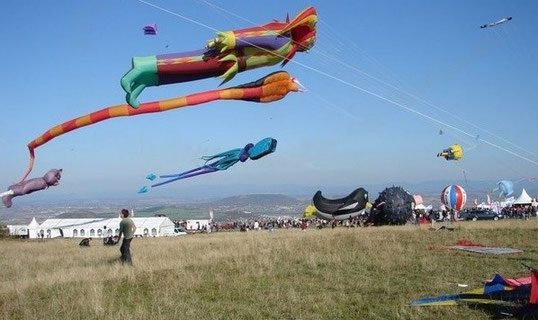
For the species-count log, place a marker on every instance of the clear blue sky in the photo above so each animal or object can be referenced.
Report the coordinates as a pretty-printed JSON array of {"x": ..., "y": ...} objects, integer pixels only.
[{"x": 62, "y": 59}]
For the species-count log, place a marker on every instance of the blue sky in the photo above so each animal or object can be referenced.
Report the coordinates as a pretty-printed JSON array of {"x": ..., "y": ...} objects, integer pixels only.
[{"x": 63, "y": 59}]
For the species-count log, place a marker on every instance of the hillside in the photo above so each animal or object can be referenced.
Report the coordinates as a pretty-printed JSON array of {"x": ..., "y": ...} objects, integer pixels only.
[
  {"x": 355, "y": 273},
  {"x": 257, "y": 200}
]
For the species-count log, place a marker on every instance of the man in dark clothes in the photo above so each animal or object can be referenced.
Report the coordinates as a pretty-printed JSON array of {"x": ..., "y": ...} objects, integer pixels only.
[
  {"x": 127, "y": 229},
  {"x": 85, "y": 242}
]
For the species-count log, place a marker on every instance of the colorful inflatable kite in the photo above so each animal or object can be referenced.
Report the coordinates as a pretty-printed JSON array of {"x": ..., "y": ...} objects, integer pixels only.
[
  {"x": 454, "y": 197},
  {"x": 270, "y": 88},
  {"x": 222, "y": 161},
  {"x": 354, "y": 204},
  {"x": 505, "y": 188},
  {"x": 51, "y": 178},
  {"x": 393, "y": 206},
  {"x": 309, "y": 211},
  {"x": 504, "y": 297},
  {"x": 226, "y": 55},
  {"x": 454, "y": 152}
]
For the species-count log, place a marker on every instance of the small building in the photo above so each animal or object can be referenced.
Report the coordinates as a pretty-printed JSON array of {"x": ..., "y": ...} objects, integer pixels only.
[{"x": 98, "y": 227}]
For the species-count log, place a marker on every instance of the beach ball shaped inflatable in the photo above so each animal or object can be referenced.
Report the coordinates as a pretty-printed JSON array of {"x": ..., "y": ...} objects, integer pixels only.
[{"x": 454, "y": 197}]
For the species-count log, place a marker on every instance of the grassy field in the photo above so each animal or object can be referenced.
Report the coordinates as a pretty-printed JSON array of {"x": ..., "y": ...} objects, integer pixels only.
[{"x": 364, "y": 273}]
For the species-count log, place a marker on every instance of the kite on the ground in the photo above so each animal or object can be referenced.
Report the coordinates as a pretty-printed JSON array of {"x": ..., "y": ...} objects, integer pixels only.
[
  {"x": 150, "y": 29},
  {"x": 354, "y": 204},
  {"x": 221, "y": 161},
  {"x": 503, "y": 296},
  {"x": 224, "y": 56},
  {"x": 454, "y": 152},
  {"x": 51, "y": 178},
  {"x": 267, "y": 89},
  {"x": 496, "y": 23}
]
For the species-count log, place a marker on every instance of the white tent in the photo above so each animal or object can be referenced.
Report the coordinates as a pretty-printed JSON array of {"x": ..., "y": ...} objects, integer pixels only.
[
  {"x": 507, "y": 202},
  {"x": 423, "y": 207},
  {"x": 524, "y": 198},
  {"x": 32, "y": 229},
  {"x": 17, "y": 230},
  {"x": 483, "y": 205},
  {"x": 99, "y": 227}
]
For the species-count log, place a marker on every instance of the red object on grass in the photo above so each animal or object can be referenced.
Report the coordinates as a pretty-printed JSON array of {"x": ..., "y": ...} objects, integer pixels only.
[{"x": 467, "y": 243}]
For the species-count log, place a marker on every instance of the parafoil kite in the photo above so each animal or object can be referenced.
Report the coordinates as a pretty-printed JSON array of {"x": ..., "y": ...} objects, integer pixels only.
[
  {"x": 226, "y": 55},
  {"x": 454, "y": 197},
  {"x": 222, "y": 161},
  {"x": 505, "y": 188},
  {"x": 354, "y": 204},
  {"x": 51, "y": 178},
  {"x": 454, "y": 152},
  {"x": 267, "y": 89},
  {"x": 496, "y": 23},
  {"x": 150, "y": 29}
]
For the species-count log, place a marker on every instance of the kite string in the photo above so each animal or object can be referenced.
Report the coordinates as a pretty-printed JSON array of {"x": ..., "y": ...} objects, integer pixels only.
[
  {"x": 409, "y": 109},
  {"x": 399, "y": 89}
]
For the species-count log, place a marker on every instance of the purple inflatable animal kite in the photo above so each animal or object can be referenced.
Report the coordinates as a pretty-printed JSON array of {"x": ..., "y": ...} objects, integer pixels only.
[{"x": 51, "y": 178}]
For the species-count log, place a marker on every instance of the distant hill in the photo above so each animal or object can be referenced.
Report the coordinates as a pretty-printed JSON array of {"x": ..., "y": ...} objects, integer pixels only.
[
  {"x": 257, "y": 200},
  {"x": 81, "y": 214}
]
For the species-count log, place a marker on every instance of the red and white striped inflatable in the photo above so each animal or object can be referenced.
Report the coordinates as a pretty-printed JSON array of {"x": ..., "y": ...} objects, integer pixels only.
[{"x": 454, "y": 197}]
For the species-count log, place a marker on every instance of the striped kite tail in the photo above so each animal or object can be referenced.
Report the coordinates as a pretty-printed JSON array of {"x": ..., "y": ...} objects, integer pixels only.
[{"x": 270, "y": 88}]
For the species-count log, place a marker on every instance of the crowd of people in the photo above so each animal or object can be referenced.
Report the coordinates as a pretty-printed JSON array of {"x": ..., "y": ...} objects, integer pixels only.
[
  {"x": 272, "y": 223},
  {"x": 520, "y": 212}
]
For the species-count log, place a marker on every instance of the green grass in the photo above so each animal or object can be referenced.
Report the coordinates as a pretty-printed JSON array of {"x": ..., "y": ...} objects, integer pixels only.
[{"x": 364, "y": 273}]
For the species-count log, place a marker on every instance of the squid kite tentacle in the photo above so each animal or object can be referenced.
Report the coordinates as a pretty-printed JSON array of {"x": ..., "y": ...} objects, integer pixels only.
[{"x": 270, "y": 88}]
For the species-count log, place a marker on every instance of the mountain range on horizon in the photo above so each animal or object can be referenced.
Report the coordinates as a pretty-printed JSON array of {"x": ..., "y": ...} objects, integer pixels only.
[
  {"x": 206, "y": 193},
  {"x": 230, "y": 206}
]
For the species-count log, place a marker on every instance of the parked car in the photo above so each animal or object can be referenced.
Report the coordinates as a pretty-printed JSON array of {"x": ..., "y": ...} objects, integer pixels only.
[{"x": 481, "y": 214}]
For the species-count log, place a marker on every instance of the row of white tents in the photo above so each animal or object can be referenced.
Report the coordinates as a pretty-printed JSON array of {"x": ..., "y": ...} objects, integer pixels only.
[
  {"x": 523, "y": 200},
  {"x": 93, "y": 228}
]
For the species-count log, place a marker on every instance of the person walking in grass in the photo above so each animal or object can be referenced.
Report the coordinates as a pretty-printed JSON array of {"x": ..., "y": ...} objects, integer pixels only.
[{"x": 127, "y": 230}]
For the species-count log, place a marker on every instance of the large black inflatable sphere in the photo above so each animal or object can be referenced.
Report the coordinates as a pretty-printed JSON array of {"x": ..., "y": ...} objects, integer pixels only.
[{"x": 393, "y": 206}]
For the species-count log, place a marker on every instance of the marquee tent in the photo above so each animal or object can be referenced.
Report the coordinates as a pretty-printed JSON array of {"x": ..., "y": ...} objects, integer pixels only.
[
  {"x": 99, "y": 227},
  {"x": 524, "y": 198}
]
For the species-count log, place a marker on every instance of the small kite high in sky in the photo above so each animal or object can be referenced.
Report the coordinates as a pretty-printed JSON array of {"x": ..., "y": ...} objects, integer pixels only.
[
  {"x": 150, "y": 29},
  {"x": 454, "y": 152},
  {"x": 223, "y": 161},
  {"x": 496, "y": 23}
]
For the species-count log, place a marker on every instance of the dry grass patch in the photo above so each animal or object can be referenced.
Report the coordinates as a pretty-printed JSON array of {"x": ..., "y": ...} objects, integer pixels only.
[{"x": 366, "y": 273}]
